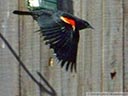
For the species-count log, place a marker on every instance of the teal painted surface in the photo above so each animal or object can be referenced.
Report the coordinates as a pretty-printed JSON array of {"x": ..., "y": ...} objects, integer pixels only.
[{"x": 41, "y": 4}]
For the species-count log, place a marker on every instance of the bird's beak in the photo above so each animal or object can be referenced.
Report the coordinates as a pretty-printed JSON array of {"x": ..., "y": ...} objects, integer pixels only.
[{"x": 91, "y": 27}]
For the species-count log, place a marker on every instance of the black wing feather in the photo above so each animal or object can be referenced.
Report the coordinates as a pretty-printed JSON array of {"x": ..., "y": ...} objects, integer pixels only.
[
  {"x": 61, "y": 37},
  {"x": 64, "y": 41}
]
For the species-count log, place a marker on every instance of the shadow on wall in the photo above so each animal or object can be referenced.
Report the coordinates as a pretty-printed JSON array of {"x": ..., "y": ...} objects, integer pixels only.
[{"x": 66, "y": 5}]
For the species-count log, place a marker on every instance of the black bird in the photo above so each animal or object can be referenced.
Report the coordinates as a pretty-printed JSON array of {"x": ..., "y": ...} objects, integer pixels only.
[{"x": 61, "y": 33}]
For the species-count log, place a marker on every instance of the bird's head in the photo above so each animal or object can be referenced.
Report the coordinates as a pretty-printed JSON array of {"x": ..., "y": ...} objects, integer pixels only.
[{"x": 82, "y": 24}]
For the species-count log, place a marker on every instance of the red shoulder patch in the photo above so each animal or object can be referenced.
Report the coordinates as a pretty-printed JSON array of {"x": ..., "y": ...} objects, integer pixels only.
[{"x": 69, "y": 21}]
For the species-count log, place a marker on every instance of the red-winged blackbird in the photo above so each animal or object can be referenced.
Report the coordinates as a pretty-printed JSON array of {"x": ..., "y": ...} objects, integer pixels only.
[{"x": 61, "y": 33}]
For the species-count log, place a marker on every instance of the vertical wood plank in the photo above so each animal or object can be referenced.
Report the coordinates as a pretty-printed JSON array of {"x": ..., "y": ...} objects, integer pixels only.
[
  {"x": 112, "y": 46},
  {"x": 8, "y": 63},
  {"x": 89, "y": 55},
  {"x": 29, "y": 53},
  {"x": 94, "y": 39},
  {"x": 95, "y": 14},
  {"x": 80, "y": 85},
  {"x": 125, "y": 3}
]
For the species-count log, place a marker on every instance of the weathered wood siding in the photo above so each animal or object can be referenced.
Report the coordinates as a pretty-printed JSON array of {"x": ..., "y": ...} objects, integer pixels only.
[
  {"x": 102, "y": 51},
  {"x": 8, "y": 64},
  {"x": 125, "y": 45}
]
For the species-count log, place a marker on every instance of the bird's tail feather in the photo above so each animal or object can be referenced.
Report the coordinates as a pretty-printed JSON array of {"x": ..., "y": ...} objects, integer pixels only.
[{"x": 22, "y": 12}]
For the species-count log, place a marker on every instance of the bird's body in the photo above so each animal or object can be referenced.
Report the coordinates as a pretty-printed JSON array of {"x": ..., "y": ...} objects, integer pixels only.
[{"x": 61, "y": 33}]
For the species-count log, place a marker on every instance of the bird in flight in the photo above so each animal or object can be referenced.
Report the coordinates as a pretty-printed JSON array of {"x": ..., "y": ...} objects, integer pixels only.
[{"x": 61, "y": 32}]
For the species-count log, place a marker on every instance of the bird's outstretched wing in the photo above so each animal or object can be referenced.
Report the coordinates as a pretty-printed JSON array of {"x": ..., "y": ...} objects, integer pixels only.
[
  {"x": 61, "y": 37},
  {"x": 59, "y": 33}
]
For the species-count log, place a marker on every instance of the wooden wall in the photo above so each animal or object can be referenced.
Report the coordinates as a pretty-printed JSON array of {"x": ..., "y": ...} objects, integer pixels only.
[{"x": 102, "y": 52}]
